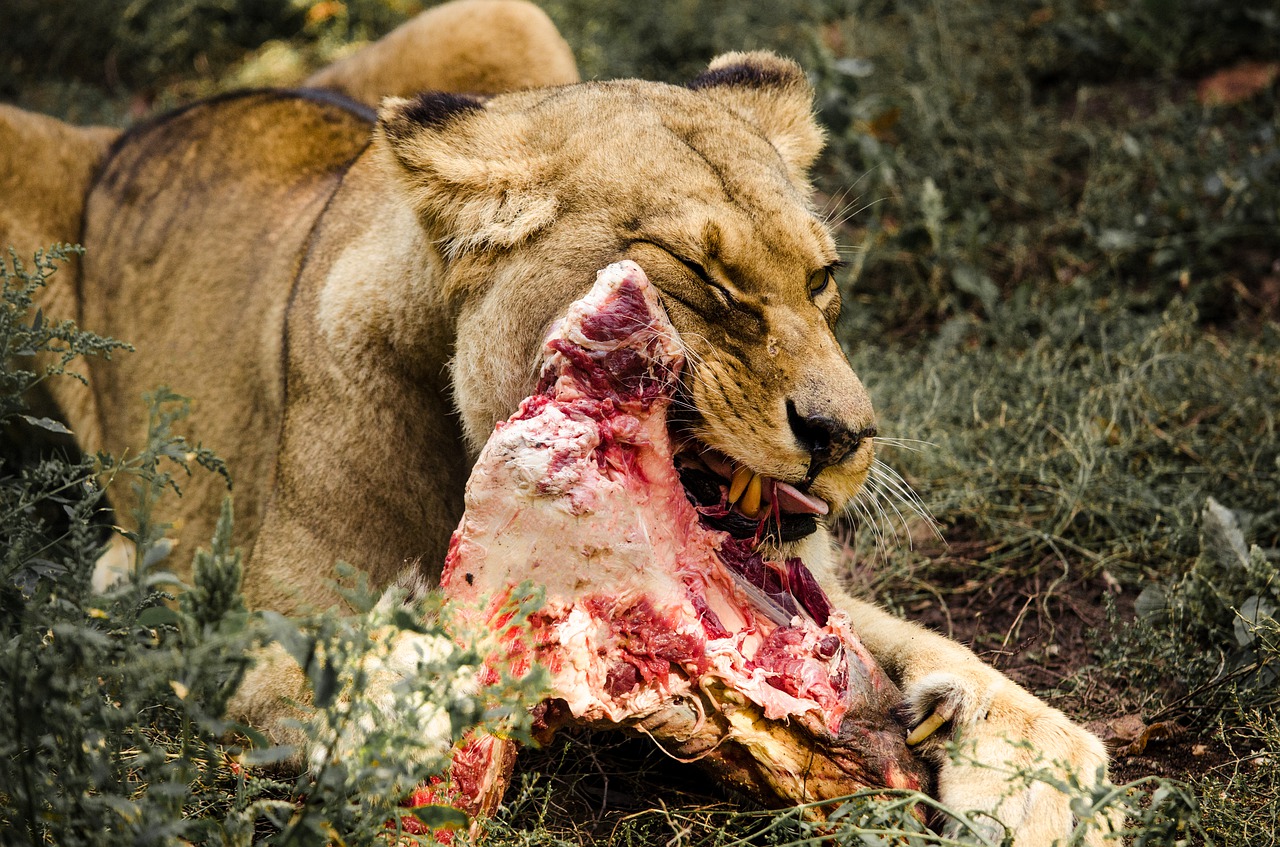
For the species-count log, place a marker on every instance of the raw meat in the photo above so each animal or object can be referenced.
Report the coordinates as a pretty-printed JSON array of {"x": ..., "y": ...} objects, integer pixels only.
[{"x": 653, "y": 621}]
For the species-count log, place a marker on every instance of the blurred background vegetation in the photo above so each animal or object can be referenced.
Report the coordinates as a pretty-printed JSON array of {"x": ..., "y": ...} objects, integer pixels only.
[{"x": 1062, "y": 222}]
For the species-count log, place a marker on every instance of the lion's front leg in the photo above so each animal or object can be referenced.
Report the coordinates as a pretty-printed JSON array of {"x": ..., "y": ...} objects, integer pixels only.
[{"x": 1003, "y": 730}]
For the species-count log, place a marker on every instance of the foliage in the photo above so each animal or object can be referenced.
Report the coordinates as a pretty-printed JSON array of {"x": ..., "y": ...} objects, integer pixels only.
[
  {"x": 594, "y": 790},
  {"x": 38, "y": 494},
  {"x": 972, "y": 178},
  {"x": 394, "y": 687},
  {"x": 1242, "y": 799},
  {"x": 1115, "y": 40},
  {"x": 113, "y": 729},
  {"x": 79, "y": 58},
  {"x": 1086, "y": 432},
  {"x": 672, "y": 40},
  {"x": 136, "y": 43},
  {"x": 1214, "y": 628},
  {"x": 59, "y": 342},
  {"x": 85, "y": 671}
]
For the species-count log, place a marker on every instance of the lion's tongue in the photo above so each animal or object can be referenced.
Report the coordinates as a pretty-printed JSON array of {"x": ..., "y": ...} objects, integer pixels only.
[{"x": 793, "y": 501}]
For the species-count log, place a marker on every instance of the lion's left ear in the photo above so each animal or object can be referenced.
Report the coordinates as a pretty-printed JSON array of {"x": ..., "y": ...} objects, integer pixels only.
[{"x": 772, "y": 93}]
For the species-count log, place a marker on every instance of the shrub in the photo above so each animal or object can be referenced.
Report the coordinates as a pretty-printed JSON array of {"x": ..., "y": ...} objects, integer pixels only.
[
  {"x": 136, "y": 44},
  {"x": 113, "y": 729},
  {"x": 1214, "y": 628},
  {"x": 672, "y": 40}
]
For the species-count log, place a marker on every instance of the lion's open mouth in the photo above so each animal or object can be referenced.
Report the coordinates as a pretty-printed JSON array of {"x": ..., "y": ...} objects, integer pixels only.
[{"x": 732, "y": 498}]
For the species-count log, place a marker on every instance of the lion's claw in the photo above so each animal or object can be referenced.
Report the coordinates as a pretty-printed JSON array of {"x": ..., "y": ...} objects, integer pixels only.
[{"x": 927, "y": 727}]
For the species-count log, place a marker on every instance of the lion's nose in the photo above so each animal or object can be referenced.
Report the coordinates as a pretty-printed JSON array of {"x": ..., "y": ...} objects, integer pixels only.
[{"x": 827, "y": 440}]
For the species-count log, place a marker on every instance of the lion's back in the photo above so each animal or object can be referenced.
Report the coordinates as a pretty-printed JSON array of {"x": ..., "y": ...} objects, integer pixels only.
[{"x": 194, "y": 231}]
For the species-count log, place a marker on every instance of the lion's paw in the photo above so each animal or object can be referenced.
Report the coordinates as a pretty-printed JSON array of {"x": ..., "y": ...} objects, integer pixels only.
[{"x": 1015, "y": 764}]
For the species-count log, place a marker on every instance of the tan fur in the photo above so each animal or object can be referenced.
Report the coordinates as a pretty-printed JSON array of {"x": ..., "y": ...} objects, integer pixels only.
[
  {"x": 468, "y": 46},
  {"x": 353, "y": 307},
  {"x": 46, "y": 168}
]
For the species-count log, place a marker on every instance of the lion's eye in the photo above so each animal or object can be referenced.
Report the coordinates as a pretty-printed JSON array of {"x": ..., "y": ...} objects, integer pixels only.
[
  {"x": 701, "y": 273},
  {"x": 819, "y": 280}
]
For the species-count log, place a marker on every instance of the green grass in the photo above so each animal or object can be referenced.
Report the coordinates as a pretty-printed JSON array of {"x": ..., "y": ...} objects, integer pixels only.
[{"x": 1088, "y": 430}]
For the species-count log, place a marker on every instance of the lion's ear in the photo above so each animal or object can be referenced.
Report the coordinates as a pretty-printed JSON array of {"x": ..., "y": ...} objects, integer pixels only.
[
  {"x": 772, "y": 93},
  {"x": 466, "y": 169}
]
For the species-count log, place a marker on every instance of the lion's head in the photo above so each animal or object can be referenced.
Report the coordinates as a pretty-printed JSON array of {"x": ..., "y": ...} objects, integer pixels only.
[{"x": 526, "y": 195}]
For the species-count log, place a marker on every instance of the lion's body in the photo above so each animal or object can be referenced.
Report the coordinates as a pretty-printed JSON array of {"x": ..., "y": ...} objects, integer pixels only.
[
  {"x": 194, "y": 248},
  {"x": 352, "y": 306},
  {"x": 476, "y": 47},
  {"x": 275, "y": 257}
]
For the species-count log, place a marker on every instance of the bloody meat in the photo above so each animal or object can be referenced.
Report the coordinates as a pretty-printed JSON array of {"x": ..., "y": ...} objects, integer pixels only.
[{"x": 654, "y": 621}]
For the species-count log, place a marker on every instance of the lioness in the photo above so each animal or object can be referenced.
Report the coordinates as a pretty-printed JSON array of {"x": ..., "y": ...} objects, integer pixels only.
[{"x": 353, "y": 302}]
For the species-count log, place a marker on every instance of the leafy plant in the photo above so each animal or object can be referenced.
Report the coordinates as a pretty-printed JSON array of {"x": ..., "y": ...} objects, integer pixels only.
[
  {"x": 1217, "y": 624},
  {"x": 113, "y": 730},
  {"x": 136, "y": 43},
  {"x": 113, "y": 698},
  {"x": 672, "y": 40},
  {"x": 46, "y": 502},
  {"x": 394, "y": 686}
]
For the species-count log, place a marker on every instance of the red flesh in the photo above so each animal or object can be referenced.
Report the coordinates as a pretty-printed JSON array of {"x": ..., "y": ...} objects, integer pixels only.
[{"x": 653, "y": 621}]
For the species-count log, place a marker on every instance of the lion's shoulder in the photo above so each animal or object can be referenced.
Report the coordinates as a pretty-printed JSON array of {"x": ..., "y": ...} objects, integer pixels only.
[{"x": 194, "y": 231}]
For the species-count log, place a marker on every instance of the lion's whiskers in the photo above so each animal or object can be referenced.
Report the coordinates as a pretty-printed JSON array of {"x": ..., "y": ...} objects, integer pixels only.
[
  {"x": 867, "y": 520},
  {"x": 915, "y": 445},
  {"x": 889, "y": 479},
  {"x": 836, "y": 213},
  {"x": 852, "y": 213},
  {"x": 886, "y": 504},
  {"x": 835, "y": 206}
]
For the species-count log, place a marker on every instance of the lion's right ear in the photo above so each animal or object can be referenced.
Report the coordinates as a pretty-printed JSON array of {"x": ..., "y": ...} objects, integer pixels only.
[
  {"x": 772, "y": 93},
  {"x": 466, "y": 169}
]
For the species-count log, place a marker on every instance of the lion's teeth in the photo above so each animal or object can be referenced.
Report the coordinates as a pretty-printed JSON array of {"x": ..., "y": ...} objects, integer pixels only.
[
  {"x": 738, "y": 484},
  {"x": 750, "y": 504}
]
